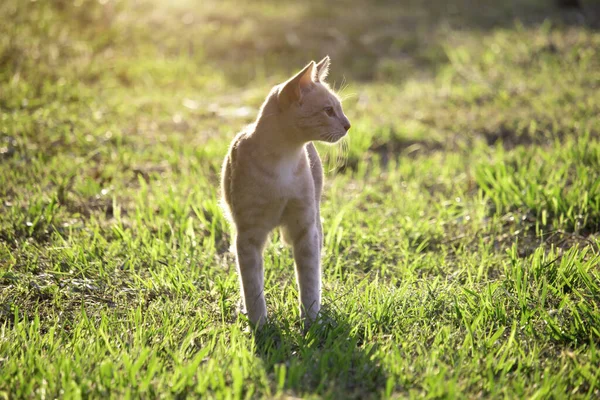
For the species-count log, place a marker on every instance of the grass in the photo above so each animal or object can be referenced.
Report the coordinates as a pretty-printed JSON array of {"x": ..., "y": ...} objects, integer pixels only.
[{"x": 461, "y": 226}]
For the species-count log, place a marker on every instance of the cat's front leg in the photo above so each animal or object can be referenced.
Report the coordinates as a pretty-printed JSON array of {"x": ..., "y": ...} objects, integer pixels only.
[
  {"x": 249, "y": 260},
  {"x": 307, "y": 255}
]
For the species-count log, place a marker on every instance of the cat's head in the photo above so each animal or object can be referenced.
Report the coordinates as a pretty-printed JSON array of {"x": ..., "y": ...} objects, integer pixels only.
[{"x": 308, "y": 104}]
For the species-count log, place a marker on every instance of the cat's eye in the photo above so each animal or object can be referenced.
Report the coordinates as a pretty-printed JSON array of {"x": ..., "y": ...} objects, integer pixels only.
[{"x": 329, "y": 111}]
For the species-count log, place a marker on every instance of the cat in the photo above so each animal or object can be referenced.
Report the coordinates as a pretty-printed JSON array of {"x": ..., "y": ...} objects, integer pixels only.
[{"x": 272, "y": 177}]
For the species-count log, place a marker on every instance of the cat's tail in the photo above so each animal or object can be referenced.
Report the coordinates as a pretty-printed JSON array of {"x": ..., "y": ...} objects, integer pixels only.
[{"x": 229, "y": 220}]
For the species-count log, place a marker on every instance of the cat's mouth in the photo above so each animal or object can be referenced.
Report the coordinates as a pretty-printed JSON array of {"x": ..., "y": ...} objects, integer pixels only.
[{"x": 333, "y": 137}]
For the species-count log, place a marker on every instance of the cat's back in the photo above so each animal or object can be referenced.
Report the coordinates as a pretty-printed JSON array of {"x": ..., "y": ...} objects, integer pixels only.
[{"x": 230, "y": 163}]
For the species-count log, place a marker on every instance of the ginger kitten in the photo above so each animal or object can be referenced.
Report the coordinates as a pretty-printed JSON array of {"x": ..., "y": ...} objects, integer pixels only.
[{"x": 272, "y": 176}]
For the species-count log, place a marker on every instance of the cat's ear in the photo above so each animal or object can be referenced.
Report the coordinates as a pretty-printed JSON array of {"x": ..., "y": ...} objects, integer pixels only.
[
  {"x": 293, "y": 89},
  {"x": 323, "y": 69}
]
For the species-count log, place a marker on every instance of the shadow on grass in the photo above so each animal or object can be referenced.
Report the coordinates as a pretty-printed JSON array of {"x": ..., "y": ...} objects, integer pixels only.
[{"x": 330, "y": 359}]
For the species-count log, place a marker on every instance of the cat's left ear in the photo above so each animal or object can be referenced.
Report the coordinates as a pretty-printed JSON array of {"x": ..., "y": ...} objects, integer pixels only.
[
  {"x": 294, "y": 88},
  {"x": 322, "y": 69}
]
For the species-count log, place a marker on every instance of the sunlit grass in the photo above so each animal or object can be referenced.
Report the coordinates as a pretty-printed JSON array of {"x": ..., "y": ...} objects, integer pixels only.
[{"x": 461, "y": 218}]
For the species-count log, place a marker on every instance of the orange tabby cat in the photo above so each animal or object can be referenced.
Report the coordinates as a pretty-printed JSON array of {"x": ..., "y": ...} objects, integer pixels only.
[{"x": 272, "y": 176}]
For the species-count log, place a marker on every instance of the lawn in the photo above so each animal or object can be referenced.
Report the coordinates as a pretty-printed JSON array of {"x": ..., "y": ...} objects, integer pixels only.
[{"x": 461, "y": 216}]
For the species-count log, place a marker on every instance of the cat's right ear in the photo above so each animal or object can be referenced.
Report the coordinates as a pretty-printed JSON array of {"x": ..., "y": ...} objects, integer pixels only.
[
  {"x": 323, "y": 69},
  {"x": 293, "y": 89}
]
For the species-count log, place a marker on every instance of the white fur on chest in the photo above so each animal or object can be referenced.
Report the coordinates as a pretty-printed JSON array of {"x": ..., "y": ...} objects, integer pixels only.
[
  {"x": 283, "y": 177},
  {"x": 287, "y": 170}
]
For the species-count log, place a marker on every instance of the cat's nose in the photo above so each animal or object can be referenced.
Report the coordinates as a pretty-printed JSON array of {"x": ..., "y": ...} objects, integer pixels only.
[{"x": 347, "y": 125}]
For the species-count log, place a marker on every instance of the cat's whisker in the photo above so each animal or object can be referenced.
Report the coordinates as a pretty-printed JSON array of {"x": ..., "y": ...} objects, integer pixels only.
[
  {"x": 343, "y": 85},
  {"x": 339, "y": 155},
  {"x": 343, "y": 154},
  {"x": 348, "y": 96},
  {"x": 331, "y": 161}
]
